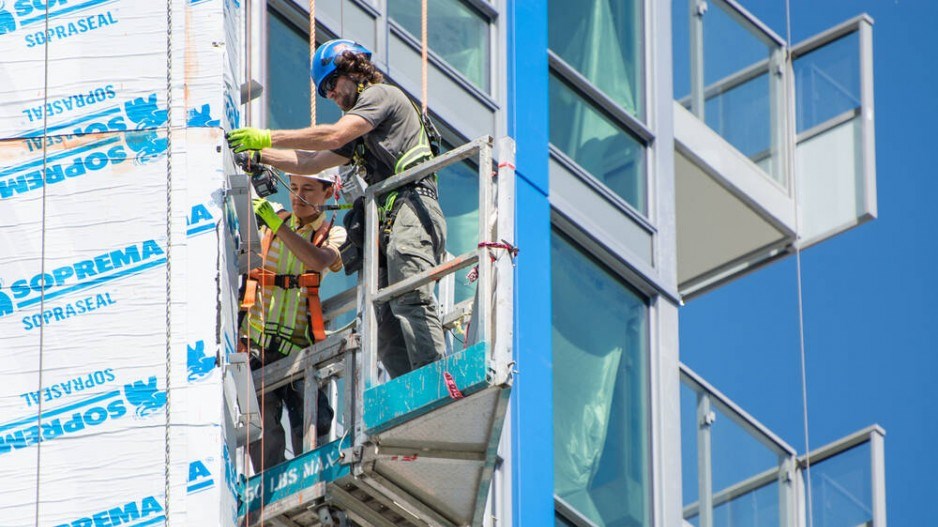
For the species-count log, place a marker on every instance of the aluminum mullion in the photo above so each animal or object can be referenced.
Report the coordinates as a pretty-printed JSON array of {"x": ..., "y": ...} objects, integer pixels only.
[
  {"x": 867, "y": 130},
  {"x": 878, "y": 477},
  {"x": 599, "y": 98},
  {"x": 697, "y": 9},
  {"x": 781, "y": 105},
  {"x": 705, "y": 419}
]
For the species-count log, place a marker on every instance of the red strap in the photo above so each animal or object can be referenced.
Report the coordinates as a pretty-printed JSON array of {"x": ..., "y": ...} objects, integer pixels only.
[
  {"x": 451, "y": 386},
  {"x": 250, "y": 294}
]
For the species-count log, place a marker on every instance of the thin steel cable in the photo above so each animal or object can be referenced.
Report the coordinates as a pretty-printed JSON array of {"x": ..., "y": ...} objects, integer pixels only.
[
  {"x": 169, "y": 249},
  {"x": 42, "y": 248},
  {"x": 790, "y": 129},
  {"x": 424, "y": 74}
]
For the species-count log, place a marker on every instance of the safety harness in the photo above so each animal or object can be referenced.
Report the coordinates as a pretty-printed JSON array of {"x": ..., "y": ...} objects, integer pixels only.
[
  {"x": 428, "y": 146},
  {"x": 260, "y": 276}
]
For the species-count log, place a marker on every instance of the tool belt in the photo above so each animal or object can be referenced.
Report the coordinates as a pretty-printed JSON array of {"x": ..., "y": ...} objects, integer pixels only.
[{"x": 408, "y": 194}]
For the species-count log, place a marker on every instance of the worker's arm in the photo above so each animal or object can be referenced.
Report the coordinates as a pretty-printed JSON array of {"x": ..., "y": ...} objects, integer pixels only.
[
  {"x": 322, "y": 136},
  {"x": 314, "y": 258},
  {"x": 301, "y": 162},
  {"x": 318, "y": 137}
]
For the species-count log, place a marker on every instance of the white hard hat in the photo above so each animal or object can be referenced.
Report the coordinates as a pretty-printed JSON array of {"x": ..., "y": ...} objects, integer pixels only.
[{"x": 329, "y": 175}]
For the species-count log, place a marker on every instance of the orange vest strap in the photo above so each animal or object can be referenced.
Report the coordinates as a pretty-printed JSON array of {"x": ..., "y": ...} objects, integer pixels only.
[
  {"x": 250, "y": 294},
  {"x": 260, "y": 276},
  {"x": 317, "y": 326}
]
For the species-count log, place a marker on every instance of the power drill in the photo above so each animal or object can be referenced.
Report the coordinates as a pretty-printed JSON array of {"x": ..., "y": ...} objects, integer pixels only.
[{"x": 262, "y": 176}]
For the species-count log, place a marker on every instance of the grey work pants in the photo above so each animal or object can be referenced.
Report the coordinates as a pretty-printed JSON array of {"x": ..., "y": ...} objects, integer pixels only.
[
  {"x": 271, "y": 451},
  {"x": 410, "y": 332}
]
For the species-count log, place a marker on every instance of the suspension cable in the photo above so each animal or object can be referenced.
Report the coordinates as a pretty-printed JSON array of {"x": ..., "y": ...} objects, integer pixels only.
[
  {"x": 424, "y": 66},
  {"x": 169, "y": 249},
  {"x": 790, "y": 131}
]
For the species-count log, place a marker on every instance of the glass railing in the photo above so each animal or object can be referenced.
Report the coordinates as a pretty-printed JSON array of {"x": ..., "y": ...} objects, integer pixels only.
[
  {"x": 726, "y": 72},
  {"x": 846, "y": 481},
  {"x": 738, "y": 473},
  {"x": 834, "y": 153}
]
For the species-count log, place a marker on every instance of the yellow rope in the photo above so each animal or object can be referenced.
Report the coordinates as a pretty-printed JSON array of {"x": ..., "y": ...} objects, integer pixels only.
[
  {"x": 312, "y": 52},
  {"x": 423, "y": 56}
]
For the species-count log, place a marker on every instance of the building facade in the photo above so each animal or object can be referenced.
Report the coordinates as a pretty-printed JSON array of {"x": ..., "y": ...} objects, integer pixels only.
[{"x": 663, "y": 149}]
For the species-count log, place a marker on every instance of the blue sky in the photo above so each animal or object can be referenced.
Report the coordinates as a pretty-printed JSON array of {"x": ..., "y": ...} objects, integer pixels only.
[{"x": 870, "y": 301}]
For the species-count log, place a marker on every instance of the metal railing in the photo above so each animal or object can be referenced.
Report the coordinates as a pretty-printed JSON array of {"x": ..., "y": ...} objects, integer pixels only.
[
  {"x": 350, "y": 353},
  {"x": 790, "y": 471},
  {"x": 708, "y": 399},
  {"x": 775, "y": 67}
]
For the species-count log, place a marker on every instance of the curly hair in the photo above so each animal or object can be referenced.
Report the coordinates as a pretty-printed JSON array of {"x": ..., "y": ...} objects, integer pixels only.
[{"x": 358, "y": 68}]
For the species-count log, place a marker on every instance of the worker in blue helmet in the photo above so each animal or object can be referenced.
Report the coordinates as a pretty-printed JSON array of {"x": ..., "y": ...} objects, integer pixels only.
[{"x": 382, "y": 132}]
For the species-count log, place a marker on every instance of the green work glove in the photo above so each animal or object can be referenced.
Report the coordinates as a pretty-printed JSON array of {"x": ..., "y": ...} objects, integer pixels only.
[
  {"x": 266, "y": 213},
  {"x": 248, "y": 139}
]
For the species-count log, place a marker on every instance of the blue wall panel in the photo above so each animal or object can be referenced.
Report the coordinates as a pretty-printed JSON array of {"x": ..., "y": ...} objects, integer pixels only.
[{"x": 532, "y": 409}]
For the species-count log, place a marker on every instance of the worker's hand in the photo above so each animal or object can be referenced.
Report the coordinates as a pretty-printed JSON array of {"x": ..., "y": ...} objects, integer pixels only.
[
  {"x": 248, "y": 139},
  {"x": 266, "y": 213}
]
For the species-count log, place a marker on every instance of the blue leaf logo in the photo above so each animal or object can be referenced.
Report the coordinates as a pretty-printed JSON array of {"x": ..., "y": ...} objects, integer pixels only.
[
  {"x": 199, "y": 364},
  {"x": 145, "y": 396}
]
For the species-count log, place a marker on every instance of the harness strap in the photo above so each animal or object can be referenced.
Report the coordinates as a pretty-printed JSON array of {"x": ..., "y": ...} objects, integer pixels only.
[{"x": 310, "y": 280}]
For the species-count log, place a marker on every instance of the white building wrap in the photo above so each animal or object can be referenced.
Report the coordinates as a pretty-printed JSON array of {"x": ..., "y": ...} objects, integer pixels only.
[{"x": 118, "y": 277}]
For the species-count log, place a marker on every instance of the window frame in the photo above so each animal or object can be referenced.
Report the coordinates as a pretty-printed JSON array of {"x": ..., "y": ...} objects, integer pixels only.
[
  {"x": 489, "y": 15},
  {"x": 649, "y": 296},
  {"x": 621, "y": 117},
  {"x": 644, "y": 138}
]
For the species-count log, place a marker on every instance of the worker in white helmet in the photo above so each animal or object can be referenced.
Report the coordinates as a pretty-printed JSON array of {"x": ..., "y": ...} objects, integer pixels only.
[{"x": 282, "y": 298}]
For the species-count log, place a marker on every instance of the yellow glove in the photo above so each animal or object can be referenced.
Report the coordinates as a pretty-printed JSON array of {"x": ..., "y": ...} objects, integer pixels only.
[
  {"x": 266, "y": 213},
  {"x": 248, "y": 139}
]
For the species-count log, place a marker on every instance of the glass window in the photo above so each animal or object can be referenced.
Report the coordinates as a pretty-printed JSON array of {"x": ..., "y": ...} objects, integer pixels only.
[
  {"x": 599, "y": 331},
  {"x": 827, "y": 82},
  {"x": 287, "y": 86},
  {"x": 456, "y": 32},
  {"x": 602, "y": 39},
  {"x": 459, "y": 199},
  {"x": 597, "y": 143}
]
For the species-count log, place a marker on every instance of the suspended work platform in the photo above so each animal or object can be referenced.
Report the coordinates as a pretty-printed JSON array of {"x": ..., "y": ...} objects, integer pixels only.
[{"x": 420, "y": 449}]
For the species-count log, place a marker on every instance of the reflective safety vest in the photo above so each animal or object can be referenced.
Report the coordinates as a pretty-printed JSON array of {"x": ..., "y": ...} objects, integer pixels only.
[
  {"x": 292, "y": 311},
  {"x": 422, "y": 151}
]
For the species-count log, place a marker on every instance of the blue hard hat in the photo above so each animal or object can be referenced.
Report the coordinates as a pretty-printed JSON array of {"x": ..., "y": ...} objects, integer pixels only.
[{"x": 323, "y": 65}]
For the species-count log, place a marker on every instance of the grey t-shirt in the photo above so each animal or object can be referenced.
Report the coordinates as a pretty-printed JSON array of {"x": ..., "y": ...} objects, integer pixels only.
[{"x": 397, "y": 129}]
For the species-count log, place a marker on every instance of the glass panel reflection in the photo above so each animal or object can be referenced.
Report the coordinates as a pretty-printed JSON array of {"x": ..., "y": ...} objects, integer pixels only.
[
  {"x": 459, "y": 199},
  {"x": 841, "y": 489},
  {"x": 602, "y": 39},
  {"x": 456, "y": 32},
  {"x": 827, "y": 82},
  {"x": 600, "y": 402},
  {"x": 597, "y": 143},
  {"x": 758, "y": 508}
]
